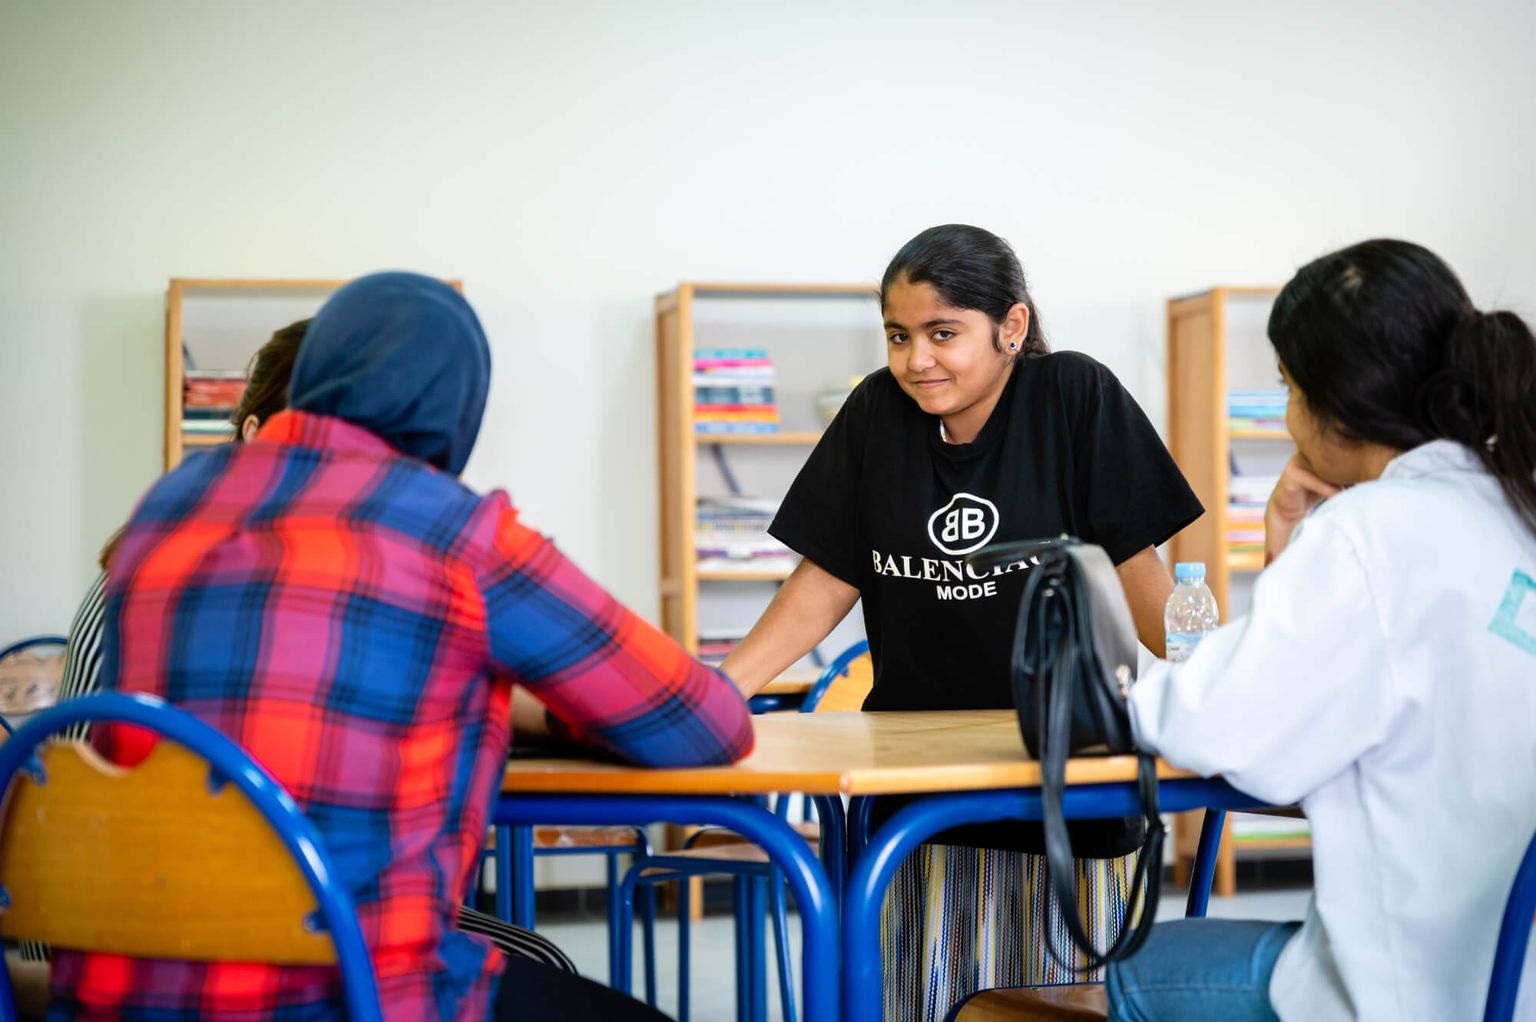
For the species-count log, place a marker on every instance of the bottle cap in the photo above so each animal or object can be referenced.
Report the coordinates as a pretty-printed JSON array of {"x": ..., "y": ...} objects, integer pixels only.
[{"x": 1189, "y": 571}]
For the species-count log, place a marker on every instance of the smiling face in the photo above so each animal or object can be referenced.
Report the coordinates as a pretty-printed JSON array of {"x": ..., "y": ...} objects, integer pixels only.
[{"x": 948, "y": 359}]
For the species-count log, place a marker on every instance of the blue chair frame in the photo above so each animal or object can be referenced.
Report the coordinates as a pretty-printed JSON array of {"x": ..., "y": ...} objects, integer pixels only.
[
  {"x": 1514, "y": 937},
  {"x": 808, "y": 879},
  {"x": 916, "y": 822},
  {"x": 753, "y": 882},
  {"x": 513, "y": 862},
  {"x": 228, "y": 763},
  {"x": 36, "y": 640}
]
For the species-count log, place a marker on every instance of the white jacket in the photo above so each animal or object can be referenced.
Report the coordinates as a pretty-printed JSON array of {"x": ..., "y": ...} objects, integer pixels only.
[{"x": 1385, "y": 678}]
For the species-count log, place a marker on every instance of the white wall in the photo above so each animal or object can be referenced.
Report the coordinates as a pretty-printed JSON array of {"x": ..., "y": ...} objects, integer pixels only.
[{"x": 570, "y": 160}]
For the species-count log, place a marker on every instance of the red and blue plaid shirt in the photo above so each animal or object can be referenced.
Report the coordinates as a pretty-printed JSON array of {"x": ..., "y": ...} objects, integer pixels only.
[{"x": 356, "y": 619}]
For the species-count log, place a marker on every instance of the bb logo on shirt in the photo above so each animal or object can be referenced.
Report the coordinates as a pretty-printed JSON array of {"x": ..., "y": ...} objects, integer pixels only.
[{"x": 965, "y": 524}]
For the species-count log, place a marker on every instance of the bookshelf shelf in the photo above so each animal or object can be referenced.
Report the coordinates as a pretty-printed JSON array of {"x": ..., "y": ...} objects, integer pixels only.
[
  {"x": 786, "y": 439},
  {"x": 206, "y": 439},
  {"x": 1245, "y": 562},
  {"x": 1270, "y": 844},
  {"x": 1279, "y": 435},
  {"x": 742, "y": 576}
]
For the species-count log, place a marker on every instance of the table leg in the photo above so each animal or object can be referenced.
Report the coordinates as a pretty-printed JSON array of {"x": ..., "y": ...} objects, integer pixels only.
[
  {"x": 821, "y": 949},
  {"x": 834, "y": 842},
  {"x": 860, "y": 810},
  {"x": 924, "y": 817},
  {"x": 1204, "y": 870}
]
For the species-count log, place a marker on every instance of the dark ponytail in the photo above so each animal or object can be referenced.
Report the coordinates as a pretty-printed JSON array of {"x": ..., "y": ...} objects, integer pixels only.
[
  {"x": 971, "y": 269},
  {"x": 1485, "y": 398},
  {"x": 1385, "y": 344}
]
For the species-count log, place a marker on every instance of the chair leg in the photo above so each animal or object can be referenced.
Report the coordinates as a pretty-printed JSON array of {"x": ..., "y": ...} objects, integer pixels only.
[
  {"x": 648, "y": 940},
  {"x": 522, "y": 877},
  {"x": 780, "y": 918},
  {"x": 757, "y": 911},
  {"x": 741, "y": 888},
  {"x": 503, "y": 859},
  {"x": 621, "y": 922},
  {"x": 618, "y": 931},
  {"x": 684, "y": 917},
  {"x": 647, "y": 918}
]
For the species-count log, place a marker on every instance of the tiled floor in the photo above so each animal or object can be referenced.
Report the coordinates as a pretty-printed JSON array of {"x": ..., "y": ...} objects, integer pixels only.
[{"x": 713, "y": 997}]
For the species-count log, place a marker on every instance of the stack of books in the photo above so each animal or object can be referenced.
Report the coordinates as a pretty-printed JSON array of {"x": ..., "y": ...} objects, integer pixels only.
[
  {"x": 733, "y": 391},
  {"x": 732, "y": 535},
  {"x": 1247, "y": 827},
  {"x": 1246, "y": 499},
  {"x": 1261, "y": 410},
  {"x": 208, "y": 399},
  {"x": 715, "y": 646}
]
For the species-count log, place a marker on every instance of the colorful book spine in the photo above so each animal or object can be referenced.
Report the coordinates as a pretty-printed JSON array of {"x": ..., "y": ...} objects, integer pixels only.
[{"x": 733, "y": 392}]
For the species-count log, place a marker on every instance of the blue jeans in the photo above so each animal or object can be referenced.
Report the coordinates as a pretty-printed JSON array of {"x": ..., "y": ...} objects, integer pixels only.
[{"x": 1194, "y": 969}]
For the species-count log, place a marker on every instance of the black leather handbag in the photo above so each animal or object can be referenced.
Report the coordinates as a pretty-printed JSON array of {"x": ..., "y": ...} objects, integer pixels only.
[{"x": 1074, "y": 659}]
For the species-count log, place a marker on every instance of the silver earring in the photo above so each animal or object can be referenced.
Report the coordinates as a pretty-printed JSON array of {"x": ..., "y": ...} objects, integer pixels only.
[{"x": 1013, "y": 345}]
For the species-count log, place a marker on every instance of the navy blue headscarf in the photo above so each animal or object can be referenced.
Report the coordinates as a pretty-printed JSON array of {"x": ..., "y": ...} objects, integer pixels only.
[{"x": 402, "y": 356}]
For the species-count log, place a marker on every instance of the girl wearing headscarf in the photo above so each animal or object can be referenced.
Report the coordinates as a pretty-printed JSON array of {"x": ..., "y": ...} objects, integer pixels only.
[{"x": 334, "y": 599}]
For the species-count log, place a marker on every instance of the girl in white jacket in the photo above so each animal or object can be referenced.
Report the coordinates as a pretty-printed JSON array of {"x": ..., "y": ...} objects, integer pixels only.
[{"x": 1385, "y": 677}]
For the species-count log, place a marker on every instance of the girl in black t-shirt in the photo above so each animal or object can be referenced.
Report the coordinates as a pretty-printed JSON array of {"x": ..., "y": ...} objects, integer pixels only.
[{"x": 974, "y": 434}]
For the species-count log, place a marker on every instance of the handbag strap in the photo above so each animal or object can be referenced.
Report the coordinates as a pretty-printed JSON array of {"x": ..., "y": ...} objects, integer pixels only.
[{"x": 1056, "y": 674}]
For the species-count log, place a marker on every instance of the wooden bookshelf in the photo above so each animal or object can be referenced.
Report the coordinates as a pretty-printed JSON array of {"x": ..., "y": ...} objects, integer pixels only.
[
  {"x": 1202, "y": 369},
  {"x": 206, "y": 439},
  {"x": 1217, "y": 344},
  {"x": 223, "y": 321},
  {"x": 804, "y": 350}
]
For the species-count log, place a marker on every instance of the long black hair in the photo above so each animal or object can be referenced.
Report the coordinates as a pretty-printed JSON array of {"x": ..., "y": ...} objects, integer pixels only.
[
  {"x": 971, "y": 269},
  {"x": 1386, "y": 346}
]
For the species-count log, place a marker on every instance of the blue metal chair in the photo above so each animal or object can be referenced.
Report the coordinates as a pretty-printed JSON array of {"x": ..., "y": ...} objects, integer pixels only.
[
  {"x": 76, "y": 870},
  {"x": 755, "y": 882},
  {"x": 517, "y": 847},
  {"x": 1514, "y": 937}
]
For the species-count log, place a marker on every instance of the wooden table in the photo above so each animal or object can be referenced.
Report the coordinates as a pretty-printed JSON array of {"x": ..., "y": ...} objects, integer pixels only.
[
  {"x": 959, "y": 752},
  {"x": 841, "y": 754}
]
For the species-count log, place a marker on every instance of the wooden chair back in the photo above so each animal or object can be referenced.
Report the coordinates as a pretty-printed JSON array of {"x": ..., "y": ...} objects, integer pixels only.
[
  {"x": 846, "y": 693},
  {"x": 156, "y": 861}
]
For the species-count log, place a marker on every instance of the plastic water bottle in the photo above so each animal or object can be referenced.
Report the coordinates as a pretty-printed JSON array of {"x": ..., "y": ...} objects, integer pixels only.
[{"x": 1191, "y": 610}]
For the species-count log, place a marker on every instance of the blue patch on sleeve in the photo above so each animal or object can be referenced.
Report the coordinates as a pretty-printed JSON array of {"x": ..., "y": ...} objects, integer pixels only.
[{"x": 1504, "y": 623}]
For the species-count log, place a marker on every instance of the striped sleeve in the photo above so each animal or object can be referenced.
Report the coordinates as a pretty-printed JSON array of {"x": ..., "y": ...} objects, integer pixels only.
[
  {"x": 82, "y": 670},
  {"x": 607, "y": 674},
  {"x": 82, "y": 659}
]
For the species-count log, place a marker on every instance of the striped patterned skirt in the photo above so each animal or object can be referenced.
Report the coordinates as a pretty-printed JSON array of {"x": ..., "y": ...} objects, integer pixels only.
[{"x": 957, "y": 920}]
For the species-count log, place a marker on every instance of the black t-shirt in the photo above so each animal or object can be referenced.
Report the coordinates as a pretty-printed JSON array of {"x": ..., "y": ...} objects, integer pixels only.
[{"x": 890, "y": 508}]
